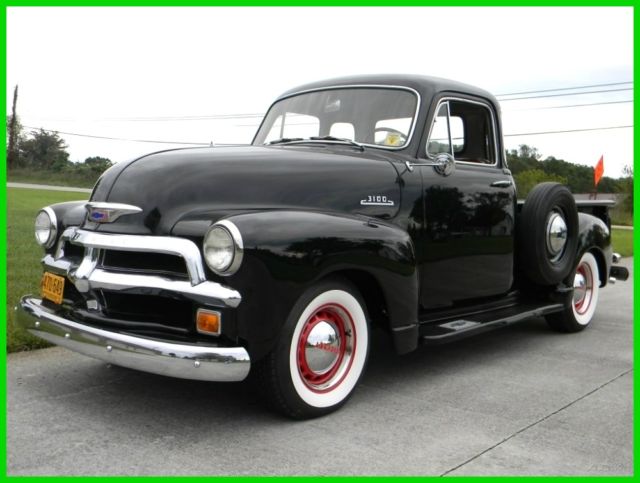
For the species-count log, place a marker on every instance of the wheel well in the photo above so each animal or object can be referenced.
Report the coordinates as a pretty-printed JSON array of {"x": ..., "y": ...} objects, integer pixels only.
[
  {"x": 372, "y": 294},
  {"x": 602, "y": 265}
]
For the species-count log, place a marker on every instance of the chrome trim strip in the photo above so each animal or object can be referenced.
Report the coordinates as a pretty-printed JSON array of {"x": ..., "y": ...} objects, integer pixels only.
[
  {"x": 493, "y": 123},
  {"x": 185, "y": 361},
  {"x": 205, "y": 292},
  {"x": 60, "y": 267},
  {"x": 356, "y": 86},
  {"x": 111, "y": 211},
  {"x": 168, "y": 245}
]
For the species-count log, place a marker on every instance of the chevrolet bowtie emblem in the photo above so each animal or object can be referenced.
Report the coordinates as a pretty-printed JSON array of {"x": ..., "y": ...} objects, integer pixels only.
[{"x": 109, "y": 212}]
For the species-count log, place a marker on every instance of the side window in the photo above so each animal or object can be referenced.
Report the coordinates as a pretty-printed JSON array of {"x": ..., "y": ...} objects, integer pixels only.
[
  {"x": 469, "y": 127},
  {"x": 456, "y": 126},
  {"x": 343, "y": 130}
]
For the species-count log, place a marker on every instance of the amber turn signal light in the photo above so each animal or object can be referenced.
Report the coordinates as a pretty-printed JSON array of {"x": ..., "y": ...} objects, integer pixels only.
[{"x": 208, "y": 322}]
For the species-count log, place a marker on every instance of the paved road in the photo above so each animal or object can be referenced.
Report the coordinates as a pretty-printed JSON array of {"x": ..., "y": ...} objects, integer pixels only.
[
  {"x": 522, "y": 400},
  {"x": 47, "y": 187}
]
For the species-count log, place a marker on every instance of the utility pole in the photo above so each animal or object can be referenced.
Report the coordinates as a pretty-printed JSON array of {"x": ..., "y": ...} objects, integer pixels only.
[{"x": 12, "y": 152}]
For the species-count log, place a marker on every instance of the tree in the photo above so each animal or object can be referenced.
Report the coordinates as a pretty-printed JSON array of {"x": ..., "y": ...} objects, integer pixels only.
[
  {"x": 523, "y": 159},
  {"x": 526, "y": 180},
  {"x": 626, "y": 188},
  {"x": 44, "y": 150},
  {"x": 98, "y": 164},
  {"x": 15, "y": 137},
  {"x": 13, "y": 132}
]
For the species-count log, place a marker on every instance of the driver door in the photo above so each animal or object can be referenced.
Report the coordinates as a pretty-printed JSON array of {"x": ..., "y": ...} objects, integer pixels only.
[{"x": 467, "y": 243}]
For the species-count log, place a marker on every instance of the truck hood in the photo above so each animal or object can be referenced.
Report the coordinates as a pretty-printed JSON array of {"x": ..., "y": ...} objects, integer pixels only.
[{"x": 202, "y": 185}]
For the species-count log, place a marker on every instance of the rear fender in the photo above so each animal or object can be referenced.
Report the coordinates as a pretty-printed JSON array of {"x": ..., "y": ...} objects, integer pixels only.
[{"x": 595, "y": 236}]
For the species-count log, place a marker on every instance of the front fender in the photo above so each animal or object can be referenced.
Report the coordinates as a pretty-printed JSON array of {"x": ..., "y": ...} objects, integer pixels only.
[
  {"x": 286, "y": 252},
  {"x": 68, "y": 213}
]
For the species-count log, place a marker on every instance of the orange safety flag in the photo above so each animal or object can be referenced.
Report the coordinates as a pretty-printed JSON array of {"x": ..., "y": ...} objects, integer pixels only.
[{"x": 598, "y": 171}]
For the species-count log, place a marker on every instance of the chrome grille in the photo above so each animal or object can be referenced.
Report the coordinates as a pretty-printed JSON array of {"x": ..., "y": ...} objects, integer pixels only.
[{"x": 90, "y": 274}]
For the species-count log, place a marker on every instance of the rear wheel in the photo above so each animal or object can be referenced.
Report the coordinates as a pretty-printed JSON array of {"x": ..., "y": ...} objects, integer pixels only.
[
  {"x": 580, "y": 306},
  {"x": 321, "y": 353}
]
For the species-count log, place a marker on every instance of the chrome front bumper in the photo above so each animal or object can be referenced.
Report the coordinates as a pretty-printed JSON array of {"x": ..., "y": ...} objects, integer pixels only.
[{"x": 199, "y": 362}]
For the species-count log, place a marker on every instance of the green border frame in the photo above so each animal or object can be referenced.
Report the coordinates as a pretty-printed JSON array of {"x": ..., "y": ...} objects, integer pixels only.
[{"x": 298, "y": 3}]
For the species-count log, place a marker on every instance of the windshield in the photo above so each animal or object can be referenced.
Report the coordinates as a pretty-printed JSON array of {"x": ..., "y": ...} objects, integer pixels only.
[{"x": 375, "y": 116}]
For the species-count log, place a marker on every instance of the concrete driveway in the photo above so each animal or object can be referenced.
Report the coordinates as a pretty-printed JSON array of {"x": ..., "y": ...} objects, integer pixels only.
[{"x": 518, "y": 401}]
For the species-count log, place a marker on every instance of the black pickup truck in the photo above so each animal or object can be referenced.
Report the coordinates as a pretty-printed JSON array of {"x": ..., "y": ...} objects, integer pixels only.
[{"x": 372, "y": 201}]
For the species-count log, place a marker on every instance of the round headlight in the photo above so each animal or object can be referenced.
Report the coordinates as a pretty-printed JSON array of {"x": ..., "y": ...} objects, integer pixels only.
[
  {"x": 46, "y": 227},
  {"x": 222, "y": 248}
]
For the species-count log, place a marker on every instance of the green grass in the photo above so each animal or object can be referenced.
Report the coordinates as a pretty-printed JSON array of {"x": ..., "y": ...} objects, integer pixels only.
[
  {"x": 65, "y": 178},
  {"x": 622, "y": 241},
  {"x": 24, "y": 254},
  {"x": 620, "y": 216}
]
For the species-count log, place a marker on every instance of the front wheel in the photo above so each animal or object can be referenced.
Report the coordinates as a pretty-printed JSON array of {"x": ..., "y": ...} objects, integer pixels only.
[
  {"x": 320, "y": 355},
  {"x": 581, "y": 305}
]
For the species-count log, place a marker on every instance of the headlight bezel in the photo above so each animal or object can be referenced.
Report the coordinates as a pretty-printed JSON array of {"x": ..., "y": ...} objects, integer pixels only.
[
  {"x": 52, "y": 226},
  {"x": 236, "y": 241}
]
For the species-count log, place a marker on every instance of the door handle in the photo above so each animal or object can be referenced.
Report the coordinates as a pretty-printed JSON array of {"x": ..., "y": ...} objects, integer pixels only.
[{"x": 502, "y": 183}]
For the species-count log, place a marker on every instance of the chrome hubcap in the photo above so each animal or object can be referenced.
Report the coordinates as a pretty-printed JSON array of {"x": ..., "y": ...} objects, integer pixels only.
[
  {"x": 556, "y": 235},
  {"x": 582, "y": 289},
  {"x": 322, "y": 348},
  {"x": 325, "y": 348}
]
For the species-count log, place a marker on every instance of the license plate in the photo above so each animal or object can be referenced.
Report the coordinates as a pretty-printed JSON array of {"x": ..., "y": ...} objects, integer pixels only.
[{"x": 52, "y": 287}]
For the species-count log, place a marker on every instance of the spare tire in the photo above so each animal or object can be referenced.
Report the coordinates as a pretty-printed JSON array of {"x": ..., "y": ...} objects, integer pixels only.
[{"x": 548, "y": 234}]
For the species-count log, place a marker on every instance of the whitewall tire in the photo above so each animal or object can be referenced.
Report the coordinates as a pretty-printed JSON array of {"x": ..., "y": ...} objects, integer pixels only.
[
  {"x": 321, "y": 354},
  {"x": 580, "y": 306}
]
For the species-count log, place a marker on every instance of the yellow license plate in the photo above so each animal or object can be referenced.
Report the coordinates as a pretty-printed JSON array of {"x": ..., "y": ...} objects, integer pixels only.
[{"x": 52, "y": 287}]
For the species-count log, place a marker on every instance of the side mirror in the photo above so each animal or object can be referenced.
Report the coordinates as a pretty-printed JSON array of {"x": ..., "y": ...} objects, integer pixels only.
[{"x": 442, "y": 163}]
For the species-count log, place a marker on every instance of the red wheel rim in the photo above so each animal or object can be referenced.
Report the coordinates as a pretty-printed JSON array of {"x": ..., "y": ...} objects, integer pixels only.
[{"x": 339, "y": 349}]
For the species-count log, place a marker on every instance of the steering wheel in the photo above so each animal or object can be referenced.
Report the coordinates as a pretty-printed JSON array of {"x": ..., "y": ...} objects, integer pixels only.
[{"x": 390, "y": 130}]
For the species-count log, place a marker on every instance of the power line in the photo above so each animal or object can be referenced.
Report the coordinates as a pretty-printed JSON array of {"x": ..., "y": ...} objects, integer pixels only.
[
  {"x": 188, "y": 118},
  {"x": 567, "y": 94},
  {"x": 116, "y": 139},
  {"x": 260, "y": 115},
  {"x": 570, "y": 105},
  {"x": 565, "y": 88},
  {"x": 567, "y": 131}
]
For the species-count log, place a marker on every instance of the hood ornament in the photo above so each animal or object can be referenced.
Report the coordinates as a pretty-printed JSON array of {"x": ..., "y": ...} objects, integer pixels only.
[{"x": 109, "y": 212}]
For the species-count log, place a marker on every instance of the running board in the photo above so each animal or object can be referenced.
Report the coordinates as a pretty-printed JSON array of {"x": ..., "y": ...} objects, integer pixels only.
[{"x": 442, "y": 332}]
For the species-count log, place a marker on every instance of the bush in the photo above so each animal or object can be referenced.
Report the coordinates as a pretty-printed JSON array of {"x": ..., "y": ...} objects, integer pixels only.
[{"x": 526, "y": 180}]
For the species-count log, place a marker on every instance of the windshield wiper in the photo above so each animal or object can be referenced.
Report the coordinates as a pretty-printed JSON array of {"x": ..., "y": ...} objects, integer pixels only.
[
  {"x": 341, "y": 140},
  {"x": 285, "y": 140},
  {"x": 315, "y": 139}
]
